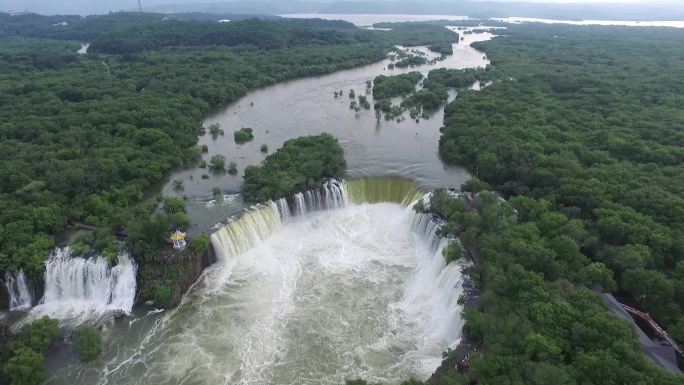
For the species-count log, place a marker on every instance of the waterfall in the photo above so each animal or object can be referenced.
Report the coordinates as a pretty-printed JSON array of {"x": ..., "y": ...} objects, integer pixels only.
[
  {"x": 19, "y": 293},
  {"x": 393, "y": 190},
  {"x": 83, "y": 288},
  {"x": 239, "y": 235},
  {"x": 242, "y": 234},
  {"x": 441, "y": 285},
  {"x": 331, "y": 195},
  {"x": 426, "y": 225},
  {"x": 446, "y": 319},
  {"x": 335, "y": 194}
]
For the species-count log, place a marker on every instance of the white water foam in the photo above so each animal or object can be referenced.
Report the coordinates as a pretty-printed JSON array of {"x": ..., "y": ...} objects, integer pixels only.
[
  {"x": 79, "y": 289},
  {"x": 20, "y": 297}
]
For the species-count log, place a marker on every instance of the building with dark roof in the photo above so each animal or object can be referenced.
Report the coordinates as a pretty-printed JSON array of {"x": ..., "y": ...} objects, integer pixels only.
[{"x": 661, "y": 352}]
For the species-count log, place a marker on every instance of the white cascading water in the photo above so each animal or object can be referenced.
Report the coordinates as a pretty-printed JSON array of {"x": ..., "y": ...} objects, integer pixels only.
[
  {"x": 332, "y": 195},
  {"x": 19, "y": 293},
  {"x": 361, "y": 291},
  {"x": 79, "y": 289}
]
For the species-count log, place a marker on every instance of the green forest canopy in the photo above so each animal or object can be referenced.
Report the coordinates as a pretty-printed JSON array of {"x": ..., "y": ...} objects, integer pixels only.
[
  {"x": 586, "y": 127},
  {"x": 532, "y": 329}
]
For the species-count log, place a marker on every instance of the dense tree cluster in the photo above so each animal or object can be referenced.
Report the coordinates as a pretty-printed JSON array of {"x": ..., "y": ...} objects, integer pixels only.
[
  {"x": 88, "y": 342},
  {"x": 264, "y": 35},
  {"x": 385, "y": 87},
  {"x": 21, "y": 359},
  {"x": 585, "y": 130},
  {"x": 537, "y": 325},
  {"x": 411, "y": 61},
  {"x": 89, "y": 28},
  {"x": 431, "y": 96},
  {"x": 259, "y": 34},
  {"x": 243, "y": 135},
  {"x": 302, "y": 163},
  {"x": 411, "y": 34},
  {"x": 69, "y": 27},
  {"x": 445, "y": 48}
]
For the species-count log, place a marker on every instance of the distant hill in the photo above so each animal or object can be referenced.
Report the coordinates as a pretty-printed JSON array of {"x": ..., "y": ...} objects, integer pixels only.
[{"x": 664, "y": 11}]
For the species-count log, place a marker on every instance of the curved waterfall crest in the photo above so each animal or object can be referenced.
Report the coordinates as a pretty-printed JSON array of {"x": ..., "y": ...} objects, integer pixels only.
[
  {"x": 378, "y": 190},
  {"x": 20, "y": 296},
  {"x": 260, "y": 221},
  {"x": 242, "y": 233},
  {"x": 331, "y": 195}
]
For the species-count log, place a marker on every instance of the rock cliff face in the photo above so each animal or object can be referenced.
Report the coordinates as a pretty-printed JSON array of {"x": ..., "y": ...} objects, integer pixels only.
[
  {"x": 4, "y": 331},
  {"x": 170, "y": 274},
  {"x": 4, "y": 297},
  {"x": 36, "y": 285}
]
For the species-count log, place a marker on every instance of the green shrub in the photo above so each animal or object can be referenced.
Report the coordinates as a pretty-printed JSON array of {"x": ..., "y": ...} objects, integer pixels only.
[
  {"x": 88, "y": 341},
  {"x": 80, "y": 248},
  {"x": 174, "y": 205},
  {"x": 363, "y": 102},
  {"x": 474, "y": 185},
  {"x": 200, "y": 243},
  {"x": 419, "y": 207},
  {"x": 38, "y": 335},
  {"x": 105, "y": 243},
  {"x": 444, "y": 204},
  {"x": 25, "y": 367},
  {"x": 217, "y": 163},
  {"x": 161, "y": 292},
  {"x": 215, "y": 130},
  {"x": 243, "y": 135},
  {"x": 232, "y": 168},
  {"x": 452, "y": 377},
  {"x": 177, "y": 220},
  {"x": 452, "y": 252}
]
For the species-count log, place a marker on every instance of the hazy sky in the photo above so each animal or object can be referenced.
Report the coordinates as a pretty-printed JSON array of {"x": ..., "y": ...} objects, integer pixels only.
[
  {"x": 124, "y": 3},
  {"x": 99, "y": 6},
  {"x": 587, "y": 1}
]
